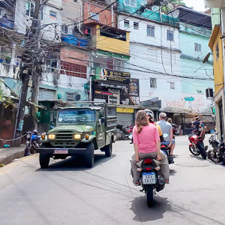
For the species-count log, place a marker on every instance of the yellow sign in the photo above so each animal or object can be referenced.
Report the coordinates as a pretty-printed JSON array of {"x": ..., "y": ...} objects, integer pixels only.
[{"x": 124, "y": 110}]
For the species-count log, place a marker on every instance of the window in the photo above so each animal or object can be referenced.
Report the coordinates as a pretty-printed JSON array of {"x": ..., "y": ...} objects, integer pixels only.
[
  {"x": 136, "y": 25},
  {"x": 53, "y": 15},
  {"x": 150, "y": 31},
  {"x": 30, "y": 8},
  {"x": 153, "y": 83},
  {"x": 64, "y": 29},
  {"x": 51, "y": 65},
  {"x": 94, "y": 16},
  {"x": 126, "y": 23},
  {"x": 172, "y": 85},
  {"x": 217, "y": 51},
  {"x": 170, "y": 35},
  {"x": 198, "y": 47},
  {"x": 130, "y": 2}
]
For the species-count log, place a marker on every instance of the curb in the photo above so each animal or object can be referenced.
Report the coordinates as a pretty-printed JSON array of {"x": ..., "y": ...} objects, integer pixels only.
[{"x": 9, "y": 157}]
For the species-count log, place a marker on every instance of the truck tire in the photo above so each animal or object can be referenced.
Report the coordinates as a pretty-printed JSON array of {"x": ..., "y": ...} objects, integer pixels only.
[
  {"x": 44, "y": 160},
  {"x": 90, "y": 158},
  {"x": 108, "y": 150}
]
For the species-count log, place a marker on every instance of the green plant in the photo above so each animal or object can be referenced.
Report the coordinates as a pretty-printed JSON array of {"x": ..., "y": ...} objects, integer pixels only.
[{"x": 172, "y": 5}]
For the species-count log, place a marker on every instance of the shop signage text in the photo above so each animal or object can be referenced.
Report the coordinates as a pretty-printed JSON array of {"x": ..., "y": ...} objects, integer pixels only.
[{"x": 124, "y": 110}]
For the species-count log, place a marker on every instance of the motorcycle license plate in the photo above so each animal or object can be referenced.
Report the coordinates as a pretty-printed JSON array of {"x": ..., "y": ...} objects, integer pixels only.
[
  {"x": 61, "y": 151},
  {"x": 149, "y": 178}
]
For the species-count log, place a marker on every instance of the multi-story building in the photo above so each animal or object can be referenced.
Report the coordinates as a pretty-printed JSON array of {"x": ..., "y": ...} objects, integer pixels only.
[
  {"x": 154, "y": 52},
  {"x": 217, "y": 45},
  {"x": 195, "y": 30}
]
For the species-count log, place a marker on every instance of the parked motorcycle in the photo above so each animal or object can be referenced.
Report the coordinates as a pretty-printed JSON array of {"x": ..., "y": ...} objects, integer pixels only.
[
  {"x": 32, "y": 142},
  {"x": 217, "y": 153},
  {"x": 196, "y": 146},
  {"x": 150, "y": 178},
  {"x": 125, "y": 132}
]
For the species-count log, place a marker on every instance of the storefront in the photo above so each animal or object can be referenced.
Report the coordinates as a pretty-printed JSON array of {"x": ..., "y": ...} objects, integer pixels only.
[{"x": 115, "y": 87}]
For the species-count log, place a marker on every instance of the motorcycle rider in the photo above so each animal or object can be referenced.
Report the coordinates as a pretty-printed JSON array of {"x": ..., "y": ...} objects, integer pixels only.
[
  {"x": 199, "y": 127},
  {"x": 147, "y": 144},
  {"x": 167, "y": 130},
  {"x": 150, "y": 116}
]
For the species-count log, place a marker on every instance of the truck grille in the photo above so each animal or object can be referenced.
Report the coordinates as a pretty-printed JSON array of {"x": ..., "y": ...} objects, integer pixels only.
[
  {"x": 64, "y": 136},
  {"x": 64, "y": 144}
]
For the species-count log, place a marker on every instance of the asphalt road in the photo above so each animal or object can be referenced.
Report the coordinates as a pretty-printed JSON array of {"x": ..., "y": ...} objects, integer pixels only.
[{"x": 68, "y": 193}]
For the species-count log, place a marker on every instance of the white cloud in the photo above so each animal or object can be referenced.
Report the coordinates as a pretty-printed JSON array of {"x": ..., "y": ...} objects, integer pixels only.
[{"x": 196, "y": 4}]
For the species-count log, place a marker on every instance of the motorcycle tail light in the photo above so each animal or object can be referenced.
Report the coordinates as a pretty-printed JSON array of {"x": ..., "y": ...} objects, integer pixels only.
[
  {"x": 148, "y": 169},
  {"x": 148, "y": 161},
  {"x": 163, "y": 146}
]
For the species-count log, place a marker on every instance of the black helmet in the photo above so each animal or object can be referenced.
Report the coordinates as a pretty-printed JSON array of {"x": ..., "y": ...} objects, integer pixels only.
[{"x": 149, "y": 113}]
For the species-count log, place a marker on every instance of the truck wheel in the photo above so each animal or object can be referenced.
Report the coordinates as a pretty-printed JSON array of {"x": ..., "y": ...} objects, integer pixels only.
[
  {"x": 44, "y": 160},
  {"x": 108, "y": 150},
  {"x": 90, "y": 158}
]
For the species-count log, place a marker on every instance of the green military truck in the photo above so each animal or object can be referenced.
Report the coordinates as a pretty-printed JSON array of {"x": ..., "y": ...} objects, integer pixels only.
[{"x": 80, "y": 129}]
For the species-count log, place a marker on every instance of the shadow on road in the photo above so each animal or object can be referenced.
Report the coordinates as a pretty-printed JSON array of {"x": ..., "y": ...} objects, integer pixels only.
[
  {"x": 172, "y": 172},
  {"x": 75, "y": 163},
  {"x": 144, "y": 213}
]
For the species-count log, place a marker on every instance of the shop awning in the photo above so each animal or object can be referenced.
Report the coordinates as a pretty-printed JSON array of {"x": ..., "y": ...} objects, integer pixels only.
[
  {"x": 175, "y": 110},
  {"x": 16, "y": 100}
]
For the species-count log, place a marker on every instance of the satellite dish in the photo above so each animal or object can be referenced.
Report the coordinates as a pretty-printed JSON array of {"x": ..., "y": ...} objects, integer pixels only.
[
  {"x": 155, "y": 8},
  {"x": 206, "y": 58},
  {"x": 175, "y": 13}
]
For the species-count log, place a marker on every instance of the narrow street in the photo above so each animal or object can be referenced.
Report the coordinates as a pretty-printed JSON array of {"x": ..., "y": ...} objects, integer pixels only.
[{"x": 70, "y": 194}]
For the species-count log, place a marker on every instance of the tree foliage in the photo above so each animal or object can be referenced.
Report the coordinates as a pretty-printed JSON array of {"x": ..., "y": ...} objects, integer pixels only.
[{"x": 172, "y": 4}]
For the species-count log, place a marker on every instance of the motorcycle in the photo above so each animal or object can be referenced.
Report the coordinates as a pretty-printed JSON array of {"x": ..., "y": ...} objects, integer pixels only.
[
  {"x": 166, "y": 151},
  {"x": 32, "y": 142},
  {"x": 150, "y": 178},
  {"x": 217, "y": 153},
  {"x": 125, "y": 132},
  {"x": 196, "y": 146}
]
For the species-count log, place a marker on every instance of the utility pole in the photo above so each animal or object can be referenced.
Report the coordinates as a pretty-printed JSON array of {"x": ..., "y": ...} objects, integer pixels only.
[
  {"x": 24, "y": 74},
  {"x": 36, "y": 71}
]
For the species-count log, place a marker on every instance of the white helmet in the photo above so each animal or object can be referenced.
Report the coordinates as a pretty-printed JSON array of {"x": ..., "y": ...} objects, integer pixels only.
[{"x": 150, "y": 113}]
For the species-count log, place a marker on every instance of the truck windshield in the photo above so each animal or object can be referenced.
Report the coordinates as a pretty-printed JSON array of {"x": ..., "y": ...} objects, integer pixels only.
[{"x": 76, "y": 115}]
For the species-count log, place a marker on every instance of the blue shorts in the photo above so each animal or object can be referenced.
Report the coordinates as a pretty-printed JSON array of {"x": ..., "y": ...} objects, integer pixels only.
[{"x": 168, "y": 142}]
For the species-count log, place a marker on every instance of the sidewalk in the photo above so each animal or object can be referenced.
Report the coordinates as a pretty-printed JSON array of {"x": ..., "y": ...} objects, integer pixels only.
[{"x": 7, "y": 155}]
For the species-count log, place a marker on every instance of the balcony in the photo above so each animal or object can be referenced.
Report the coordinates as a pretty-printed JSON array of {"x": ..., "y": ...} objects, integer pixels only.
[{"x": 110, "y": 39}]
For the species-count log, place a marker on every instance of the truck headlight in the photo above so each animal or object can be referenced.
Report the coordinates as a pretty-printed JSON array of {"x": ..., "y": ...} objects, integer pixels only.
[
  {"x": 51, "y": 136},
  {"x": 77, "y": 136}
]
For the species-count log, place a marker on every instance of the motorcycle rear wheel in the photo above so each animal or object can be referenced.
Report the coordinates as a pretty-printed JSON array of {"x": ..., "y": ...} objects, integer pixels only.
[
  {"x": 194, "y": 151},
  {"x": 213, "y": 156},
  {"x": 149, "y": 195}
]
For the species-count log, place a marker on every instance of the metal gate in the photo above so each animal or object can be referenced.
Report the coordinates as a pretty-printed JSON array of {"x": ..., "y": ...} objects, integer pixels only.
[
  {"x": 46, "y": 94},
  {"x": 125, "y": 119}
]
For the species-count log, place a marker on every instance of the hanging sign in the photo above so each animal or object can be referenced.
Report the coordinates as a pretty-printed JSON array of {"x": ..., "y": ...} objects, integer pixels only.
[{"x": 113, "y": 75}]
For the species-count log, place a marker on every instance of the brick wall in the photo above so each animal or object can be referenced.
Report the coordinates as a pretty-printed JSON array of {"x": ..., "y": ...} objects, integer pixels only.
[
  {"x": 105, "y": 17},
  {"x": 73, "y": 69}
]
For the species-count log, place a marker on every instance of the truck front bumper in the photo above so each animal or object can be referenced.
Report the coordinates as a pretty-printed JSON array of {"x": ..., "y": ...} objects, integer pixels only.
[{"x": 62, "y": 151}]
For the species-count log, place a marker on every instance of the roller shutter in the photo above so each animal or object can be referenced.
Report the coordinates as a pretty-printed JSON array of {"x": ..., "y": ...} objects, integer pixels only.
[{"x": 125, "y": 119}]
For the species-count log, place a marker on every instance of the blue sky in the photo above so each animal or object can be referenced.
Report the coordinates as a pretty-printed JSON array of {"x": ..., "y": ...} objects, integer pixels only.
[{"x": 197, "y": 4}]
